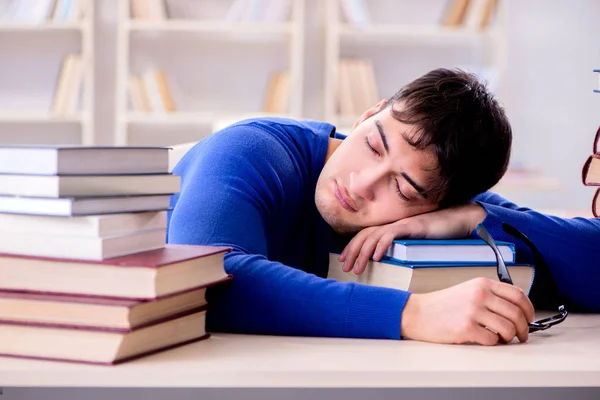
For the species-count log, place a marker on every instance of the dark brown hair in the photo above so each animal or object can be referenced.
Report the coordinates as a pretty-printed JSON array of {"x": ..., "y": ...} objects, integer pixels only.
[{"x": 454, "y": 113}]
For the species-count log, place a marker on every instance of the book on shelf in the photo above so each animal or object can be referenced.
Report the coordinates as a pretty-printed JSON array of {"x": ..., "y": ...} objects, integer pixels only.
[
  {"x": 425, "y": 278},
  {"x": 83, "y": 160},
  {"x": 100, "y": 345},
  {"x": 278, "y": 93},
  {"x": 62, "y": 310},
  {"x": 146, "y": 275},
  {"x": 88, "y": 185},
  {"x": 149, "y": 9},
  {"x": 36, "y": 11},
  {"x": 357, "y": 87},
  {"x": 475, "y": 14},
  {"x": 77, "y": 206},
  {"x": 259, "y": 11},
  {"x": 355, "y": 12},
  {"x": 151, "y": 92},
  {"x": 448, "y": 251},
  {"x": 68, "y": 88}
]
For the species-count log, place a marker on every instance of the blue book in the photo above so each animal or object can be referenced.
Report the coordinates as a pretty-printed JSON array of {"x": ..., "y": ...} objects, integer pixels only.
[
  {"x": 448, "y": 251},
  {"x": 425, "y": 278}
]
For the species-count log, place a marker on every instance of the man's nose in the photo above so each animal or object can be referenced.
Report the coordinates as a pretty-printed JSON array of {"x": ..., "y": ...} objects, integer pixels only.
[{"x": 363, "y": 183}]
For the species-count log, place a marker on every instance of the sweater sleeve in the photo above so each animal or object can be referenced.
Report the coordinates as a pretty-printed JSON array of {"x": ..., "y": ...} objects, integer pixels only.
[
  {"x": 569, "y": 246},
  {"x": 229, "y": 197}
]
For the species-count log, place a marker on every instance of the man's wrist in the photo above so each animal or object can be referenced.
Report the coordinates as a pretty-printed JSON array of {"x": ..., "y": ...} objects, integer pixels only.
[
  {"x": 476, "y": 215},
  {"x": 408, "y": 317}
]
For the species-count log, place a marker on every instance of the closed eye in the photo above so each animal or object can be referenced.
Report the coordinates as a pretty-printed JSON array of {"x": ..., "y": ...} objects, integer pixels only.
[
  {"x": 402, "y": 195},
  {"x": 371, "y": 148}
]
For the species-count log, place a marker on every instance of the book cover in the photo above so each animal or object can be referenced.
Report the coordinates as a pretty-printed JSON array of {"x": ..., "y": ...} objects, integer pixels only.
[
  {"x": 169, "y": 254},
  {"x": 448, "y": 251},
  {"x": 596, "y": 203}
]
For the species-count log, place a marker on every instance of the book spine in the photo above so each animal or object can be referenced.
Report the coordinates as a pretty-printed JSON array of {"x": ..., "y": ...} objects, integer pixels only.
[
  {"x": 596, "y": 150},
  {"x": 595, "y": 202},
  {"x": 585, "y": 169}
]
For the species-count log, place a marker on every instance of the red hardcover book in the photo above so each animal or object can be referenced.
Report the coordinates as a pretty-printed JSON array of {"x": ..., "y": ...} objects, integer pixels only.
[
  {"x": 590, "y": 173},
  {"x": 94, "y": 312},
  {"x": 144, "y": 276},
  {"x": 100, "y": 346}
]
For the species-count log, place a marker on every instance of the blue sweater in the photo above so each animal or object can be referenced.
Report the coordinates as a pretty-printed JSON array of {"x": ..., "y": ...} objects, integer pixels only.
[{"x": 251, "y": 186}]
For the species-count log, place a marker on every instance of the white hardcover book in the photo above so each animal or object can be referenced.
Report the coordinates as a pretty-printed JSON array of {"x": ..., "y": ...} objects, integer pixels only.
[
  {"x": 84, "y": 226},
  {"x": 80, "y": 247},
  {"x": 88, "y": 186},
  {"x": 67, "y": 207}
]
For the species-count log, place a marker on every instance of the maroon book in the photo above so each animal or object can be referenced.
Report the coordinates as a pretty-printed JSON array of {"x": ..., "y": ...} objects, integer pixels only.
[
  {"x": 596, "y": 204},
  {"x": 147, "y": 275},
  {"x": 101, "y": 346},
  {"x": 592, "y": 162}
]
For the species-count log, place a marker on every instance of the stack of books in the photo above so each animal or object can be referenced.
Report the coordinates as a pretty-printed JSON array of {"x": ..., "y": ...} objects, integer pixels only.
[
  {"x": 85, "y": 273},
  {"x": 590, "y": 173},
  {"x": 428, "y": 265}
]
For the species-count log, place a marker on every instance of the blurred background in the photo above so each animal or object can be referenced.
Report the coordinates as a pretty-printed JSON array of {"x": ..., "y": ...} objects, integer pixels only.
[{"x": 166, "y": 72}]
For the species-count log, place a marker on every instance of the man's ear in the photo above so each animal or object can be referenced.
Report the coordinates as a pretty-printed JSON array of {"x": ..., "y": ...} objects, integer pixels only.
[{"x": 370, "y": 112}]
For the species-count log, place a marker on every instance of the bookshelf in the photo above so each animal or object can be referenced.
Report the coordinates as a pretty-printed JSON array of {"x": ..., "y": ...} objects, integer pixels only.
[
  {"x": 206, "y": 55},
  {"x": 35, "y": 43},
  {"x": 402, "y": 39}
]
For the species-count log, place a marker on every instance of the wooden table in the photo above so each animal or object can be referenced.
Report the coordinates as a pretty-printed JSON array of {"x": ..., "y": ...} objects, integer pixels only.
[{"x": 567, "y": 355}]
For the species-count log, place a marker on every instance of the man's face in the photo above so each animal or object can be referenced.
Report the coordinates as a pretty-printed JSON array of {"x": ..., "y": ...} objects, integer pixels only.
[{"x": 374, "y": 176}]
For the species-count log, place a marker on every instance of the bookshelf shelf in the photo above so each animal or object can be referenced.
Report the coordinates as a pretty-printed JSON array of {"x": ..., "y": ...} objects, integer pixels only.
[
  {"x": 183, "y": 26},
  {"x": 176, "y": 118},
  {"x": 37, "y": 117},
  {"x": 412, "y": 32},
  {"x": 158, "y": 88},
  {"x": 404, "y": 49},
  {"x": 59, "y": 108},
  {"x": 8, "y": 26}
]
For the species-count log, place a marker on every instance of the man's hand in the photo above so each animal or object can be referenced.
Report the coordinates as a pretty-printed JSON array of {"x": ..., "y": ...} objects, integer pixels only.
[
  {"x": 452, "y": 222},
  {"x": 479, "y": 311}
]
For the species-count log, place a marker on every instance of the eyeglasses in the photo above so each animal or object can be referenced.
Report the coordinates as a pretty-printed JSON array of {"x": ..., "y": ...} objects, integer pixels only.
[{"x": 540, "y": 265}]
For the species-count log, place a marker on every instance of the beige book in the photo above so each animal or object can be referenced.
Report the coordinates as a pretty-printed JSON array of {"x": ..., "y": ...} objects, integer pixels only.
[
  {"x": 94, "y": 311},
  {"x": 345, "y": 99},
  {"x": 135, "y": 93},
  {"x": 424, "y": 279},
  {"x": 59, "y": 103},
  {"x": 456, "y": 12},
  {"x": 164, "y": 91},
  {"x": 99, "y": 346}
]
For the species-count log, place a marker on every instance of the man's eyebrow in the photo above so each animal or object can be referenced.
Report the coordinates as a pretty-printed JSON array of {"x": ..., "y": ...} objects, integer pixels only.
[
  {"x": 417, "y": 187},
  {"x": 383, "y": 137}
]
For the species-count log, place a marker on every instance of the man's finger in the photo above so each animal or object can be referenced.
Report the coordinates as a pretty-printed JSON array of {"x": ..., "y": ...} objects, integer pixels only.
[
  {"x": 498, "y": 324},
  {"x": 511, "y": 312},
  {"x": 384, "y": 243},
  {"x": 351, "y": 252},
  {"x": 516, "y": 296},
  {"x": 365, "y": 254}
]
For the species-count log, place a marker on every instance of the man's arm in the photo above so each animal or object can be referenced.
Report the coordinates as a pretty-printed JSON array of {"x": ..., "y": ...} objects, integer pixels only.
[
  {"x": 229, "y": 197},
  {"x": 569, "y": 245}
]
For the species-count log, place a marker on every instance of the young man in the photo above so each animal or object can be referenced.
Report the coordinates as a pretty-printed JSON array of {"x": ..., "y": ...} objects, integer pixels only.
[{"x": 284, "y": 193}]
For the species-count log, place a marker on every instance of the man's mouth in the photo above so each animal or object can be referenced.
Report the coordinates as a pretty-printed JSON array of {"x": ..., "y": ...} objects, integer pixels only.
[{"x": 342, "y": 196}]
